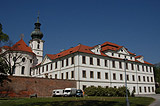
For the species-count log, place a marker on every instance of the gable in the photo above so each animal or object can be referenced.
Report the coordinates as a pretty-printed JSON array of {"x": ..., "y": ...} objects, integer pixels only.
[
  {"x": 123, "y": 51},
  {"x": 96, "y": 49},
  {"x": 46, "y": 60}
]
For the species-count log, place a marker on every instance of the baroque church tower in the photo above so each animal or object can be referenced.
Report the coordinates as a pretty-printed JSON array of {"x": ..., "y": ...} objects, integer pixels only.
[{"x": 36, "y": 43}]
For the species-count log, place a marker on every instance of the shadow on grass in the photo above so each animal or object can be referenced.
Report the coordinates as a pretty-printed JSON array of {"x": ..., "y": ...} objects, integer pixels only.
[{"x": 76, "y": 103}]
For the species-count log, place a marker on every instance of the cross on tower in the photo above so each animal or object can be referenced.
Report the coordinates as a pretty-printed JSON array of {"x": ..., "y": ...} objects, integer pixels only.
[
  {"x": 21, "y": 36},
  {"x": 38, "y": 17}
]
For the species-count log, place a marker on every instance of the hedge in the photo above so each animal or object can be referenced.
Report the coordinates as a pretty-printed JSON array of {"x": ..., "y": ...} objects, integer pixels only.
[{"x": 99, "y": 91}]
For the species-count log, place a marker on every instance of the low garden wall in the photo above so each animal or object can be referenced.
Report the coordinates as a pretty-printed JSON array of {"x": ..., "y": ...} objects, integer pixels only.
[{"x": 25, "y": 86}]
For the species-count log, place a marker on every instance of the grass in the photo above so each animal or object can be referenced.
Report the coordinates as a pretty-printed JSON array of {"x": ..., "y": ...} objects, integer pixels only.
[{"x": 73, "y": 101}]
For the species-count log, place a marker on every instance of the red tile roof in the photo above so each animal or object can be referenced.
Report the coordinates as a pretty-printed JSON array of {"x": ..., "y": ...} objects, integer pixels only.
[
  {"x": 112, "y": 46},
  {"x": 19, "y": 46},
  {"x": 87, "y": 49},
  {"x": 138, "y": 56}
]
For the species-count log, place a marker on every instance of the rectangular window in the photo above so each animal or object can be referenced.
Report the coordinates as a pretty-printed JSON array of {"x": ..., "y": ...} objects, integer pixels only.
[
  {"x": 83, "y": 59},
  {"x": 66, "y": 75},
  {"x": 144, "y": 79},
  {"x": 140, "y": 89},
  {"x": 134, "y": 89},
  {"x": 152, "y": 89},
  {"x": 138, "y": 67},
  {"x": 126, "y": 65},
  {"x": 139, "y": 78},
  {"x": 62, "y": 63},
  {"x": 98, "y": 62},
  {"x": 39, "y": 70},
  {"x": 132, "y": 66},
  {"x": 149, "y": 89},
  {"x": 127, "y": 77},
  {"x": 51, "y": 66},
  {"x": 84, "y": 74},
  {"x": 43, "y": 69},
  {"x": 133, "y": 78},
  {"x": 91, "y": 74},
  {"x": 120, "y": 64},
  {"x": 72, "y": 74},
  {"x": 151, "y": 69},
  {"x": 106, "y": 75},
  {"x": 151, "y": 79},
  {"x": 98, "y": 75},
  {"x": 91, "y": 61},
  {"x": 145, "y": 90},
  {"x": 148, "y": 79},
  {"x": 72, "y": 60},
  {"x": 146, "y": 69},
  {"x": 121, "y": 76},
  {"x": 62, "y": 75},
  {"x": 114, "y": 76},
  {"x": 55, "y": 76},
  {"x": 142, "y": 68},
  {"x": 113, "y": 64},
  {"x": 66, "y": 62},
  {"x": 55, "y": 65},
  {"x": 105, "y": 62},
  {"x": 84, "y": 87}
]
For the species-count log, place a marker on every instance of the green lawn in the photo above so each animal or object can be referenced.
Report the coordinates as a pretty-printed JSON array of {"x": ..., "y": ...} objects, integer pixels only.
[{"x": 73, "y": 101}]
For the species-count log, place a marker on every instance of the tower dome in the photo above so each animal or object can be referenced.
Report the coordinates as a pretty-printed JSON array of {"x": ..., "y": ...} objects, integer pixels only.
[{"x": 37, "y": 34}]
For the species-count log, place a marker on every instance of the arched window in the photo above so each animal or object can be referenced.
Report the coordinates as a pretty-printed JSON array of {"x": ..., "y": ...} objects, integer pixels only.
[
  {"x": 30, "y": 71},
  {"x": 38, "y": 46},
  {"x": 13, "y": 69},
  {"x": 23, "y": 68}
]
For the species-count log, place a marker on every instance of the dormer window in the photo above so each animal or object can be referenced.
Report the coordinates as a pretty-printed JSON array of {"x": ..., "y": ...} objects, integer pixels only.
[
  {"x": 121, "y": 50},
  {"x": 97, "y": 50}
]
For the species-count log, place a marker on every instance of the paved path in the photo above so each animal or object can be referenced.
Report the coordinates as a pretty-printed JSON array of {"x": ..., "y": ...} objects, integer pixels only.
[{"x": 155, "y": 96}]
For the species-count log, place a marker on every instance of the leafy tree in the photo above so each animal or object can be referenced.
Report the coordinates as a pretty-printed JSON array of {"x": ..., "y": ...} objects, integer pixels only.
[
  {"x": 3, "y": 37},
  {"x": 157, "y": 76},
  {"x": 3, "y": 65}
]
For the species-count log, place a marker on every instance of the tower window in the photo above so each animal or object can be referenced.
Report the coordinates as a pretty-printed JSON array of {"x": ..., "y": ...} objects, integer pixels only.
[{"x": 38, "y": 46}]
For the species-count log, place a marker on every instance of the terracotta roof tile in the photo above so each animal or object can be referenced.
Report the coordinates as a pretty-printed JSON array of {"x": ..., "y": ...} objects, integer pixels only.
[
  {"x": 138, "y": 56},
  {"x": 112, "y": 46},
  {"x": 21, "y": 46},
  {"x": 87, "y": 49}
]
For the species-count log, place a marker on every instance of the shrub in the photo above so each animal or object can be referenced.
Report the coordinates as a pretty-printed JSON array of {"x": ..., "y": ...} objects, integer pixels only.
[
  {"x": 132, "y": 94},
  {"x": 157, "y": 91},
  {"x": 112, "y": 91},
  {"x": 122, "y": 91},
  {"x": 91, "y": 91},
  {"x": 99, "y": 91}
]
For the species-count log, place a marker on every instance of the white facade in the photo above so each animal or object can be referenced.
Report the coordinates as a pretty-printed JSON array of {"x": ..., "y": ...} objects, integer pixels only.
[
  {"x": 20, "y": 58},
  {"x": 98, "y": 70},
  {"x": 37, "y": 47}
]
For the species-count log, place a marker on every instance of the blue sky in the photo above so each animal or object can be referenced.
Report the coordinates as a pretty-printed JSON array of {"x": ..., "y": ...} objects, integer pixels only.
[{"x": 134, "y": 24}]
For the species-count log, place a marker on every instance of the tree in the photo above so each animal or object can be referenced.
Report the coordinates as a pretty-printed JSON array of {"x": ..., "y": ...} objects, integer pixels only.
[
  {"x": 12, "y": 59},
  {"x": 157, "y": 76},
  {"x": 3, "y": 37},
  {"x": 3, "y": 65}
]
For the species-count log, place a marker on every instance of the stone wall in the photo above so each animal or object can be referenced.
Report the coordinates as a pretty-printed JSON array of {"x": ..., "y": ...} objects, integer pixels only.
[{"x": 25, "y": 86}]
